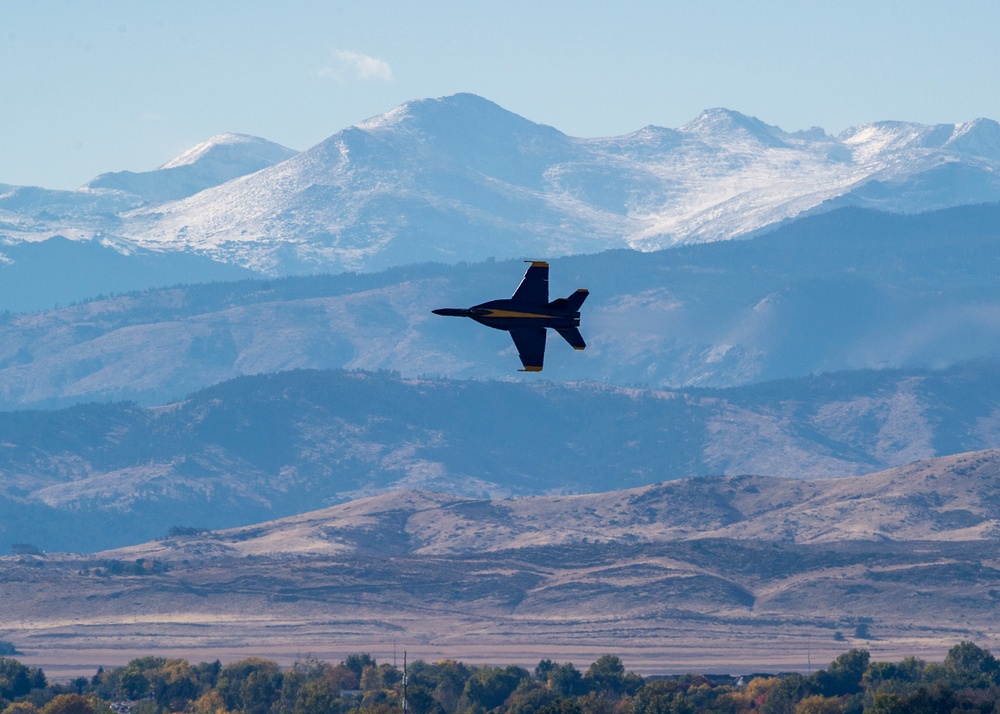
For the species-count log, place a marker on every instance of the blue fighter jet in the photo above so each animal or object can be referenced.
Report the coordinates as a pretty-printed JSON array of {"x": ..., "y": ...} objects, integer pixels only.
[{"x": 527, "y": 313}]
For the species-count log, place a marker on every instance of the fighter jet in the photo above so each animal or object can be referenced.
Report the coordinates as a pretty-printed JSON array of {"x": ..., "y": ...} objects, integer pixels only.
[{"x": 527, "y": 313}]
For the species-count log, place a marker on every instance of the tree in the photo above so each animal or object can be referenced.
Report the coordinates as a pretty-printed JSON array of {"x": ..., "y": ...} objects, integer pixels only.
[
  {"x": 250, "y": 685},
  {"x": 844, "y": 674},
  {"x": 420, "y": 700},
  {"x": 489, "y": 687},
  {"x": 209, "y": 703},
  {"x": 173, "y": 685},
  {"x": 357, "y": 663},
  {"x": 817, "y": 704},
  {"x": 606, "y": 675},
  {"x": 783, "y": 694},
  {"x": 529, "y": 697},
  {"x": 21, "y": 708},
  {"x": 887, "y": 704},
  {"x": 543, "y": 668},
  {"x": 972, "y": 665},
  {"x": 565, "y": 680},
  {"x": 16, "y": 679},
  {"x": 656, "y": 697},
  {"x": 68, "y": 704}
]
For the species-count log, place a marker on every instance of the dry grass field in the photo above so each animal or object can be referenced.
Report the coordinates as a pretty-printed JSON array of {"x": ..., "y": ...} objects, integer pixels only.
[{"x": 729, "y": 574}]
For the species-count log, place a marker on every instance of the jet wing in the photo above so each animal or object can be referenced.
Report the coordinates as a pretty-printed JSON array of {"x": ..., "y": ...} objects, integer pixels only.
[
  {"x": 530, "y": 343},
  {"x": 534, "y": 287}
]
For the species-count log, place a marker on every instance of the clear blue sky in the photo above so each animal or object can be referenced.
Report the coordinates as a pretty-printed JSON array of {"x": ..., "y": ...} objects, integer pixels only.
[{"x": 106, "y": 85}]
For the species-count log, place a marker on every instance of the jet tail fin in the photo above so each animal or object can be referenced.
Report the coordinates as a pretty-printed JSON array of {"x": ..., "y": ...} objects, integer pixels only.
[
  {"x": 573, "y": 302},
  {"x": 573, "y": 336}
]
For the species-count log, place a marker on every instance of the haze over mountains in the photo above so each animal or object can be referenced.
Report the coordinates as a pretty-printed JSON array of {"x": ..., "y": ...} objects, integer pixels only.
[
  {"x": 459, "y": 178},
  {"x": 849, "y": 289},
  {"x": 101, "y": 475}
]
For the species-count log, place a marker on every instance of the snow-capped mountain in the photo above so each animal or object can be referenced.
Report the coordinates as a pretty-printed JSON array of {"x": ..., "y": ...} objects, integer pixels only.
[
  {"x": 210, "y": 163},
  {"x": 460, "y": 178}
]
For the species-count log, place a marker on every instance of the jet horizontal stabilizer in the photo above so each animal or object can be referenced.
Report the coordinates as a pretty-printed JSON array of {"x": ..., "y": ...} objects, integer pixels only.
[{"x": 573, "y": 336}]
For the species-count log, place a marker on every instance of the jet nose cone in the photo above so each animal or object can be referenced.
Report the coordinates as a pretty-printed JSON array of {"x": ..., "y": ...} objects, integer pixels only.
[{"x": 450, "y": 312}]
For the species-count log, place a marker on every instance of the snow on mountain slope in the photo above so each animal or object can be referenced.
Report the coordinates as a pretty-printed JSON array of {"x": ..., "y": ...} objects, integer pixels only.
[
  {"x": 210, "y": 163},
  {"x": 460, "y": 178}
]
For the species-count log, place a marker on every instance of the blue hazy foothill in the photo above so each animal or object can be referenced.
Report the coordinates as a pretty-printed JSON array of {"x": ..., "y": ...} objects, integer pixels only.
[{"x": 258, "y": 448}]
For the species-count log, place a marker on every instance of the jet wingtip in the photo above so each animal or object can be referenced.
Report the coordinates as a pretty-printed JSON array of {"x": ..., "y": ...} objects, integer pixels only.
[
  {"x": 530, "y": 369},
  {"x": 538, "y": 263}
]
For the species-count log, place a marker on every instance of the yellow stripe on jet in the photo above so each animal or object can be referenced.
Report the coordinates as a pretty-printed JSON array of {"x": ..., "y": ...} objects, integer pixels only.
[{"x": 511, "y": 313}]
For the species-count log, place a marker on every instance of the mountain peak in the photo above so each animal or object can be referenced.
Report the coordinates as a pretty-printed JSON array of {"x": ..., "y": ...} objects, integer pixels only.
[
  {"x": 228, "y": 147},
  {"x": 979, "y": 137},
  {"x": 210, "y": 163},
  {"x": 463, "y": 112},
  {"x": 722, "y": 124}
]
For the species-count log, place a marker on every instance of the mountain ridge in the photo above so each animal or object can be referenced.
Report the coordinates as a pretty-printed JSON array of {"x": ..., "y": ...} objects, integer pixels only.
[
  {"x": 460, "y": 178},
  {"x": 258, "y": 448},
  {"x": 951, "y": 498},
  {"x": 843, "y": 290}
]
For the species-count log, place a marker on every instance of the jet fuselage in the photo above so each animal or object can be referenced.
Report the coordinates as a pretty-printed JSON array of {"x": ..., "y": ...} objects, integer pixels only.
[{"x": 511, "y": 315}]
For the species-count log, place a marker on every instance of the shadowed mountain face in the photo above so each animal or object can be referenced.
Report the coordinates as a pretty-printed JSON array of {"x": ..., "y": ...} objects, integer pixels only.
[
  {"x": 737, "y": 571},
  {"x": 851, "y": 289},
  {"x": 98, "y": 475}
]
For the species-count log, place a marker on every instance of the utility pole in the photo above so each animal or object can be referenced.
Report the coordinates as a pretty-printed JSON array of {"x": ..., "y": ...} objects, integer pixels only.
[{"x": 404, "y": 683}]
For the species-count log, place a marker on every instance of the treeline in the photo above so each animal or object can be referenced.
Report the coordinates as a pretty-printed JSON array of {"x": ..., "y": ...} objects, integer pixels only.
[{"x": 968, "y": 680}]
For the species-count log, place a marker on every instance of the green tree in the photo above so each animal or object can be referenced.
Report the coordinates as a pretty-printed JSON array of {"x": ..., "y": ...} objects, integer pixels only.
[
  {"x": 782, "y": 694},
  {"x": 356, "y": 663},
  {"x": 250, "y": 685},
  {"x": 489, "y": 687},
  {"x": 844, "y": 674},
  {"x": 173, "y": 684},
  {"x": 606, "y": 675},
  {"x": 451, "y": 678},
  {"x": 887, "y": 704},
  {"x": 420, "y": 700},
  {"x": 971, "y": 665},
  {"x": 543, "y": 668},
  {"x": 16, "y": 679},
  {"x": 529, "y": 697},
  {"x": 656, "y": 697},
  {"x": 565, "y": 680}
]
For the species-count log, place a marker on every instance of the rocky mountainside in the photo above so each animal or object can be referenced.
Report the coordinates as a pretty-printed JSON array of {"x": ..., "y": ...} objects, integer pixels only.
[
  {"x": 851, "y": 289},
  {"x": 738, "y": 572},
  {"x": 460, "y": 178},
  {"x": 257, "y": 448}
]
